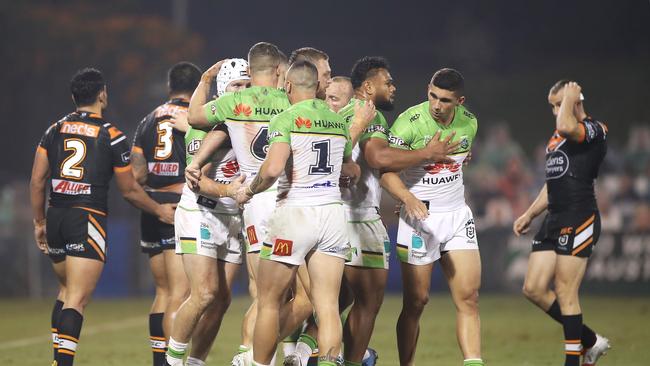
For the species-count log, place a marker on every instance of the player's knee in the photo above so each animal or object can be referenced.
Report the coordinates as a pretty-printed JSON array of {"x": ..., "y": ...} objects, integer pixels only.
[
  {"x": 417, "y": 302},
  {"x": 531, "y": 291},
  {"x": 468, "y": 301},
  {"x": 204, "y": 296}
]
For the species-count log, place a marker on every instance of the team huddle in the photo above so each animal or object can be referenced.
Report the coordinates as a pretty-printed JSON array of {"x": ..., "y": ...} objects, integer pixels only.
[{"x": 273, "y": 163}]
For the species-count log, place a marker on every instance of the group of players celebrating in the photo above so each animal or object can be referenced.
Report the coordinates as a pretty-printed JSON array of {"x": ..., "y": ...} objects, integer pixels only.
[{"x": 271, "y": 162}]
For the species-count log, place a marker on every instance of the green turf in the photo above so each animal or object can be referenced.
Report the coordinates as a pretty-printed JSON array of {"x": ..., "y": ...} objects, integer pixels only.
[{"x": 514, "y": 332}]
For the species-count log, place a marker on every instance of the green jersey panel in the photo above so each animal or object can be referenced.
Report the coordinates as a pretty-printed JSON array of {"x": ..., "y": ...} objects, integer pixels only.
[{"x": 377, "y": 128}]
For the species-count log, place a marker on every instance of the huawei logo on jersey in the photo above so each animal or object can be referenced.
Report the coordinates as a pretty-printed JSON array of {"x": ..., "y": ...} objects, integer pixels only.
[
  {"x": 242, "y": 108},
  {"x": 303, "y": 122},
  {"x": 230, "y": 169},
  {"x": 438, "y": 167}
]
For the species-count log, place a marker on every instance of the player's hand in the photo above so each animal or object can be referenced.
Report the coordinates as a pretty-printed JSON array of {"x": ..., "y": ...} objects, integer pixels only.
[
  {"x": 572, "y": 92},
  {"x": 179, "y": 121},
  {"x": 193, "y": 176},
  {"x": 212, "y": 72},
  {"x": 166, "y": 213},
  {"x": 234, "y": 186},
  {"x": 468, "y": 158},
  {"x": 364, "y": 113},
  {"x": 244, "y": 194},
  {"x": 415, "y": 208},
  {"x": 40, "y": 234},
  {"x": 438, "y": 150},
  {"x": 350, "y": 173},
  {"x": 522, "y": 224}
]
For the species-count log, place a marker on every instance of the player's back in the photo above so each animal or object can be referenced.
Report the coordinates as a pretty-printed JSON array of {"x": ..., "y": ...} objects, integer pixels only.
[
  {"x": 162, "y": 145},
  {"x": 83, "y": 150},
  {"x": 319, "y": 140},
  {"x": 247, "y": 114}
]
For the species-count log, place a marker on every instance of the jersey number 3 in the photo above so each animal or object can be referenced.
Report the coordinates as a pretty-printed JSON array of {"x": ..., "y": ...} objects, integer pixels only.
[
  {"x": 165, "y": 141},
  {"x": 70, "y": 167}
]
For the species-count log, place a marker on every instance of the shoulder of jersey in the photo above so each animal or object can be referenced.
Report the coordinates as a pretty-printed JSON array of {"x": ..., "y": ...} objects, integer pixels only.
[
  {"x": 467, "y": 114},
  {"x": 414, "y": 113}
]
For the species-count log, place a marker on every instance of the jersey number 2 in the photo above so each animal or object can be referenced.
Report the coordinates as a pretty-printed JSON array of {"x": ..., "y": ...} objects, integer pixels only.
[
  {"x": 70, "y": 167},
  {"x": 322, "y": 167},
  {"x": 165, "y": 141}
]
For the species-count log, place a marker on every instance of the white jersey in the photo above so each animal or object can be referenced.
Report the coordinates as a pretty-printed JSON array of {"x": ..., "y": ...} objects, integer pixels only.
[{"x": 366, "y": 193}]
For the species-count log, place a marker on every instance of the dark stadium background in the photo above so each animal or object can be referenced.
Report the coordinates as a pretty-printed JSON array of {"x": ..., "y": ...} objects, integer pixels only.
[{"x": 510, "y": 52}]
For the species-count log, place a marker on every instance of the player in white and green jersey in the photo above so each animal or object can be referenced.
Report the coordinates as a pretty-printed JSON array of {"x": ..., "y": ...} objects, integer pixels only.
[
  {"x": 246, "y": 115},
  {"x": 435, "y": 222},
  {"x": 208, "y": 235},
  {"x": 308, "y": 146}
]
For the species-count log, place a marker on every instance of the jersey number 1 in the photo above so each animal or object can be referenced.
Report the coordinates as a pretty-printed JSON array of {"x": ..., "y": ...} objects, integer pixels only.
[{"x": 322, "y": 149}]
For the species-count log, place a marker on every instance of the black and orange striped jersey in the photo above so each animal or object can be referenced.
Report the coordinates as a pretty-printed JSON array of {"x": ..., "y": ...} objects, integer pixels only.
[
  {"x": 162, "y": 145},
  {"x": 572, "y": 167},
  {"x": 83, "y": 151}
]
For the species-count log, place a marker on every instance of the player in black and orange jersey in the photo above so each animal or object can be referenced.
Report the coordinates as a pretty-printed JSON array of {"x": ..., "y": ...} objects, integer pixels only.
[
  {"x": 158, "y": 159},
  {"x": 572, "y": 226},
  {"x": 78, "y": 156}
]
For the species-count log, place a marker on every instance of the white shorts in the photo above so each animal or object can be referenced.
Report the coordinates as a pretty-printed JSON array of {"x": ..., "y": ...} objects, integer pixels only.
[
  {"x": 421, "y": 242},
  {"x": 295, "y": 231},
  {"x": 209, "y": 234},
  {"x": 256, "y": 216},
  {"x": 369, "y": 243}
]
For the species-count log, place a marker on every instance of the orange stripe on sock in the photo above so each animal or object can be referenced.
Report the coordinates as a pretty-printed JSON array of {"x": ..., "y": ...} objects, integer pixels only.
[
  {"x": 157, "y": 338},
  {"x": 122, "y": 169},
  {"x": 66, "y": 352},
  {"x": 571, "y": 341},
  {"x": 585, "y": 224},
  {"x": 97, "y": 225},
  {"x": 159, "y": 350},
  {"x": 583, "y": 246},
  {"x": 573, "y": 353},
  {"x": 54, "y": 330},
  {"x": 97, "y": 249},
  {"x": 70, "y": 338}
]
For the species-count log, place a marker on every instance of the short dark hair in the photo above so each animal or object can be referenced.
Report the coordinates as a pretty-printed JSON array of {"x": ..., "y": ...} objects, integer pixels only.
[
  {"x": 365, "y": 68},
  {"x": 559, "y": 85},
  {"x": 263, "y": 56},
  {"x": 183, "y": 77},
  {"x": 283, "y": 58},
  {"x": 86, "y": 85},
  {"x": 307, "y": 53},
  {"x": 308, "y": 74},
  {"x": 449, "y": 79}
]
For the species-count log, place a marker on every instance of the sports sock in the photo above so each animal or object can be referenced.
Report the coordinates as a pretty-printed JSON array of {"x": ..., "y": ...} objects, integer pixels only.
[
  {"x": 242, "y": 349},
  {"x": 157, "y": 338},
  {"x": 572, "y": 325},
  {"x": 289, "y": 343},
  {"x": 70, "y": 322},
  {"x": 588, "y": 338},
  {"x": 305, "y": 347},
  {"x": 473, "y": 362},
  {"x": 326, "y": 363},
  {"x": 175, "y": 352},
  {"x": 191, "y": 361},
  {"x": 56, "y": 313},
  {"x": 366, "y": 354}
]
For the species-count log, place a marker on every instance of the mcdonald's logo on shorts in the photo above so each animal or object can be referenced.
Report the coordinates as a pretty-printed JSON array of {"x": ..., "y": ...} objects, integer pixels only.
[
  {"x": 283, "y": 247},
  {"x": 252, "y": 236}
]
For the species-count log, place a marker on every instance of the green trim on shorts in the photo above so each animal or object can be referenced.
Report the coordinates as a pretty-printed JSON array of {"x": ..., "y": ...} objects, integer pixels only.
[
  {"x": 402, "y": 252},
  {"x": 214, "y": 212},
  {"x": 266, "y": 251},
  {"x": 372, "y": 260},
  {"x": 188, "y": 246},
  {"x": 364, "y": 221}
]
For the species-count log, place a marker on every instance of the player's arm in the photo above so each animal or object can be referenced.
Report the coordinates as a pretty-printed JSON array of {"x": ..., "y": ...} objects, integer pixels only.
[
  {"x": 133, "y": 192},
  {"x": 380, "y": 155},
  {"x": 522, "y": 224},
  {"x": 139, "y": 164},
  {"x": 180, "y": 121},
  {"x": 364, "y": 113},
  {"x": 197, "y": 118},
  {"x": 393, "y": 184},
  {"x": 209, "y": 146},
  {"x": 40, "y": 174},
  {"x": 209, "y": 187},
  {"x": 566, "y": 123},
  {"x": 271, "y": 169}
]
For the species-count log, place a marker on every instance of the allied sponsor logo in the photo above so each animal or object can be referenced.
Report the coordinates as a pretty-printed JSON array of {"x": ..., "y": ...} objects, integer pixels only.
[
  {"x": 268, "y": 111},
  {"x": 283, "y": 247},
  {"x": 80, "y": 128},
  {"x": 303, "y": 122},
  {"x": 164, "y": 169},
  {"x": 242, "y": 108},
  {"x": 252, "y": 236},
  {"x": 439, "y": 167},
  {"x": 230, "y": 168},
  {"x": 75, "y": 247},
  {"x": 557, "y": 164},
  {"x": 71, "y": 188}
]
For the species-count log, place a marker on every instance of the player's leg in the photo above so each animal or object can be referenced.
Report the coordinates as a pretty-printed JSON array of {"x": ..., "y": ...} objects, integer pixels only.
[
  {"x": 416, "y": 280},
  {"x": 178, "y": 285},
  {"x": 56, "y": 252},
  {"x": 462, "y": 268},
  {"x": 59, "y": 271},
  {"x": 568, "y": 276},
  {"x": 156, "y": 313},
  {"x": 208, "y": 326},
  {"x": 295, "y": 311},
  {"x": 325, "y": 273},
  {"x": 248, "y": 323},
  {"x": 274, "y": 280},
  {"x": 540, "y": 273}
]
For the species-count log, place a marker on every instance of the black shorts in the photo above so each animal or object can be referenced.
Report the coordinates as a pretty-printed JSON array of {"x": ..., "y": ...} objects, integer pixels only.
[
  {"x": 76, "y": 232},
  {"x": 155, "y": 235},
  {"x": 569, "y": 233}
]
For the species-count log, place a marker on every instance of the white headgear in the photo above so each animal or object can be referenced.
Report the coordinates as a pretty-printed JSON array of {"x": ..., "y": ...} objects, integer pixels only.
[{"x": 234, "y": 69}]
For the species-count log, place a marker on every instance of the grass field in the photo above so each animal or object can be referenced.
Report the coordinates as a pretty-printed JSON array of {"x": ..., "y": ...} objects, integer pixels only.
[{"x": 514, "y": 332}]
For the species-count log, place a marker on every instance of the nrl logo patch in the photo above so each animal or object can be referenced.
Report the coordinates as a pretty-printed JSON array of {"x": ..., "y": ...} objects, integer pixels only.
[{"x": 563, "y": 240}]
